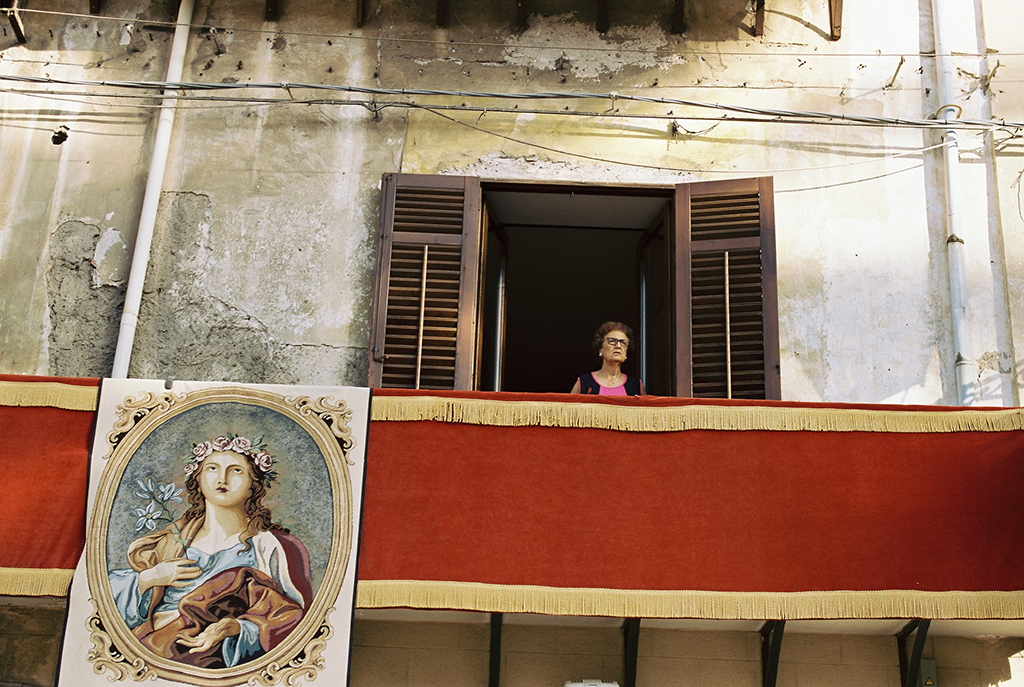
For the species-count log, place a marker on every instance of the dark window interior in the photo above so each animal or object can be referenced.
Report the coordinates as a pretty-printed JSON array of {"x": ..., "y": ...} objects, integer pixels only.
[{"x": 572, "y": 265}]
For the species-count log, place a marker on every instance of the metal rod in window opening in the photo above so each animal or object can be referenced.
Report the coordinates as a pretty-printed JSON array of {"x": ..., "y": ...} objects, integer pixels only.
[
  {"x": 728, "y": 333},
  {"x": 423, "y": 308}
]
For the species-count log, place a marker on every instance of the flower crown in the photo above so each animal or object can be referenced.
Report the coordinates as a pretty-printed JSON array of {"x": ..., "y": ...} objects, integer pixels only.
[{"x": 254, "y": 449}]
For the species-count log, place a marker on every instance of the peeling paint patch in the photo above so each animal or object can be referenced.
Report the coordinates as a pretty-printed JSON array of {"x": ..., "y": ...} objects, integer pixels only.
[
  {"x": 501, "y": 166},
  {"x": 84, "y": 314},
  {"x": 188, "y": 332},
  {"x": 110, "y": 259},
  {"x": 592, "y": 55}
]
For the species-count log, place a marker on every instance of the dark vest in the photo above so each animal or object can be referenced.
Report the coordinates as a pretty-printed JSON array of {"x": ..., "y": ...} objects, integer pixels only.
[{"x": 589, "y": 385}]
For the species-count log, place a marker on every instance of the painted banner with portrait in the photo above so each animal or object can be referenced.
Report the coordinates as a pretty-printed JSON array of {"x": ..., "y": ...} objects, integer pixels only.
[{"x": 221, "y": 537}]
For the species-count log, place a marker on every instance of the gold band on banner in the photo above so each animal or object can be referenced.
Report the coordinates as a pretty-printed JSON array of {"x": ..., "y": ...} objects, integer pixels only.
[
  {"x": 35, "y": 581},
  {"x": 639, "y": 603},
  {"x": 673, "y": 419},
  {"x": 48, "y": 394}
]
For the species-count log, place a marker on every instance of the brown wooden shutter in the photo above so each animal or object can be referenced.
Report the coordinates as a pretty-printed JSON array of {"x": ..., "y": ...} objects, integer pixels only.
[
  {"x": 424, "y": 330},
  {"x": 726, "y": 292}
]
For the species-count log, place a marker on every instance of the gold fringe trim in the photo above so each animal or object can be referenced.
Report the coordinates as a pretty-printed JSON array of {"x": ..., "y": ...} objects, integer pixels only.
[
  {"x": 647, "y": 419},
  {"x": 49, "y": 394},
  {"x": 35, "y": 581},
  {"x": 638, "y": 603}
]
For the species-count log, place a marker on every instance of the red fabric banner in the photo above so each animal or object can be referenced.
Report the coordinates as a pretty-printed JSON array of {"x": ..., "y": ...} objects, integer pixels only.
[
  {"x": 753, "y": 511},
  {"x": 707, "y": 510},
  {"x": 44, "y": 461},
  {"x": 477, "y": 501}
]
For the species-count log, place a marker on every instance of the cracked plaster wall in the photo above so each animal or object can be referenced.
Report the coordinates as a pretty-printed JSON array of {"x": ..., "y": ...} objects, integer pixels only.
[
  {"x": 84, "y": 297},
  {"x": 268, "y": 220},
  {"x": 189, "y": 330},
  {"x": 69, "y": 204},
  {"x": 863, "y": 276}
]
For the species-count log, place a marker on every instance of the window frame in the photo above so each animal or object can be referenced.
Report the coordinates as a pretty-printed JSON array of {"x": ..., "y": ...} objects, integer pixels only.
[{"x": 468, "y": 349}]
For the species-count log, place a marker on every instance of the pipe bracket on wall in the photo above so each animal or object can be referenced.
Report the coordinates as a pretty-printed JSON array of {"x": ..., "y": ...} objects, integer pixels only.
[
  {"x": 631, "y": 635},
  {"x": 494, "y": 669},
  {"x": 910, "y": 667},
  {"x": 771, "y": 648}
]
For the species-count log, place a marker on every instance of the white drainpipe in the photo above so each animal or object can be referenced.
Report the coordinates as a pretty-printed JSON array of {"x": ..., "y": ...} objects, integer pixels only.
[
  {"x": 154, "y": 184},
  {"x": 965, "y": 365}
]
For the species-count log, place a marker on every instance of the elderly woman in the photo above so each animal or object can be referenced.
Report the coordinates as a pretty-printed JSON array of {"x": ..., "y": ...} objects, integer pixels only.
[
  {"x": 223, "y": 584},
  {"x": 612, "y": 341}
]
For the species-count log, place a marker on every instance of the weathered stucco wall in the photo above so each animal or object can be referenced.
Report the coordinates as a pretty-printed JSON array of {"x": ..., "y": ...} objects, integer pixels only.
[{"x": 264, "y": 246}]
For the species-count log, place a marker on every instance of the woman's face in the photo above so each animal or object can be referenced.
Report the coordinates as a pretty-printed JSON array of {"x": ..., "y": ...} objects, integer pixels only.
[
  {"x": 225, "y": 479},
  {"x": 615, "y": 351}
]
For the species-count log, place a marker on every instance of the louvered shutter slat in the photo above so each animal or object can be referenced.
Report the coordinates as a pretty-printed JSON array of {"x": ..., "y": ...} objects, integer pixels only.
[
  {"x": 729, "y": 344},
  {"x": 429, "y": 237}
]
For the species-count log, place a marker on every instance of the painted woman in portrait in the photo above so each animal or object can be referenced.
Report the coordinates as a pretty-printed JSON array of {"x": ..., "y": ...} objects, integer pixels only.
[{"x": 223, "y": 584}]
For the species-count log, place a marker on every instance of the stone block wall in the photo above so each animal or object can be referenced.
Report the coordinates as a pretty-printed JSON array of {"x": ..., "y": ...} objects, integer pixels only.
[
  {"x": 407, "y": 654},
  {"x": 30, "y": 632},
  {"x": 389, "y": 653}
]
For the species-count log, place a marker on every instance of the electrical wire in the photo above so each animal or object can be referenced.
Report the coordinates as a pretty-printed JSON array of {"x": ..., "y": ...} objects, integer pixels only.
[
  {"x": 658, "y": 52},
  {"x": 768, "y": 114},
  {"x": 695, "y": 170},
  {"x": 437, "y": 110}
]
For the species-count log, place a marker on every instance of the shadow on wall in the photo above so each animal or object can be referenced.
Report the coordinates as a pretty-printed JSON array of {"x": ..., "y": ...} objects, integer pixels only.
[
  {"x": 30, "y": 633},
  {"x": 991, "y": 661}
]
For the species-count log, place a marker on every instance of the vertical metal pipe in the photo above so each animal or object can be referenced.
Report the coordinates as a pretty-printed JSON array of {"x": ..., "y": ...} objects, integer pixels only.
[
  {"x": 423, "y": 310},
  {"x": 964, "y": 363},
  {"x": 644, "y": 352},
  {"x": 728, "y": 333},
  {"x": 151, "y": 199},
  {"x": 499, "y": 326}
]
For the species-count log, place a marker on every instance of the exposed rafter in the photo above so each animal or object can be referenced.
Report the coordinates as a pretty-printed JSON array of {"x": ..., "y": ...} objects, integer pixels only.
[
  {"x": 835, "y": 18},
  {"x": 602, "y": 16},
  {"x": 678, "y": 23},
  {"x": 522, "y": 12},
  {"x": 10, "y": 8},
  {"x": 273, "y": 11},
  {"x": 603, "y": 24}
]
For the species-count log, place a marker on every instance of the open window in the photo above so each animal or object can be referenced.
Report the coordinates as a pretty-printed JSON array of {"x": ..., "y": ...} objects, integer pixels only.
[{"x": 499, "y": 286}]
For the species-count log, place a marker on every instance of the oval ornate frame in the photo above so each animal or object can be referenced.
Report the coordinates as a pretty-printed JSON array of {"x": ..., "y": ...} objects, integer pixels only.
[{"x": 115, "y": 647}]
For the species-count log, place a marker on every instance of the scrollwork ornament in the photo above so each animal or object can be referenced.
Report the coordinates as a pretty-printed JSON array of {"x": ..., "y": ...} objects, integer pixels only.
[
  {"x": 304, "y": 666},
  {"x": 105, "y": 657},
  {"x": 133, "y": 410},
  {"x": 334, "y": 414}
]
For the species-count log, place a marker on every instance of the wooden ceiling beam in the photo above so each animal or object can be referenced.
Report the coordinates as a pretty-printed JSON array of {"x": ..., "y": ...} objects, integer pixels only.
[
  {"x": 678, "y": 23},
  {"x": 835, "y": 18},
  {"x": 442, "y": 14},
  {"x": 759, "y": 18},
  {"x": 10, "y": 8},
  {"x": 272, "y": 10},
  {"x": 522, "y": 12},
  {"x": 602, "y": 16}
]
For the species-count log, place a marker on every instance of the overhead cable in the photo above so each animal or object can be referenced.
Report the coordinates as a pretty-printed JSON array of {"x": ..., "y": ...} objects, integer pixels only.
[{"x": 789, "y": 116}]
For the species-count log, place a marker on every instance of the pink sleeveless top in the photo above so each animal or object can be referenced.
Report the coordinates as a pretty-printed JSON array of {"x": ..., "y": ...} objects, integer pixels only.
[{"x": 619, "y": 390}]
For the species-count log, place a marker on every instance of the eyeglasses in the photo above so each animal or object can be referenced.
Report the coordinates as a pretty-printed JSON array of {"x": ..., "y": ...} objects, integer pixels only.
[{"x": 612, "y": 341}]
